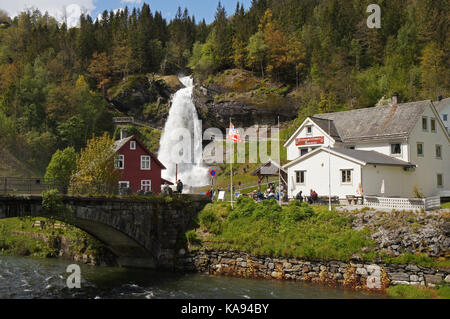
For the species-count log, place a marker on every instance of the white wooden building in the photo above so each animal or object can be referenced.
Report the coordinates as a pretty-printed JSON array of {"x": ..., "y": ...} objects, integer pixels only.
[
  {"x": 400, "y": 146},
  {"x": 443, "y": 108}
]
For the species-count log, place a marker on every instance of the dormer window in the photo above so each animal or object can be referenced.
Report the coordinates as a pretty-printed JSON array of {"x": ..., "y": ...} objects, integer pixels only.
[
  {"x": 396, "y": 149},
  {"x": 133, "y": 145},
  {"x": 309, "y": 130}
]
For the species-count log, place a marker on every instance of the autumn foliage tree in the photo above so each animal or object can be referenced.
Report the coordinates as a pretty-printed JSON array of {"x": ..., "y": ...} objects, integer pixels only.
[{"x": 95, "y": 172}]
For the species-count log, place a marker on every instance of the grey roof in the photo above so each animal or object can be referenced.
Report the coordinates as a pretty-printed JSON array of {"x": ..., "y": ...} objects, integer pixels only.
[
  {"x": 376, "y": 123},
  {"x": 440, "y": 104},
  {"x": 328, "y": 126},
  {"x": 270, "y": 168},
  {"x": 120, "y": 143},
  {"x": 372, "y": 157}
]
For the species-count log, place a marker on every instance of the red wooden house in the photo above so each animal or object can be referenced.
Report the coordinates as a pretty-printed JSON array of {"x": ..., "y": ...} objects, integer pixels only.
[{"x": 141, "y": 168}]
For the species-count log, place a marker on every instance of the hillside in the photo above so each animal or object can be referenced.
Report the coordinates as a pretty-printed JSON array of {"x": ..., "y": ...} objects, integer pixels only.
[
  {"x": 10, "y": 166},
  {"x": 290, "y": 58}
]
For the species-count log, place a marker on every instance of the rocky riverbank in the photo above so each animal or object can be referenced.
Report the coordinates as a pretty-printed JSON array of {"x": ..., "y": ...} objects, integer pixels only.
[{"x": 353, "y": 274}]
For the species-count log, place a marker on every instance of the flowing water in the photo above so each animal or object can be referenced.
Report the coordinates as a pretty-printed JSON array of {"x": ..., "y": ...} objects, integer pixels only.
[
  {"x": 24, "y": 277},
  {"x": 181, "y": 141}
]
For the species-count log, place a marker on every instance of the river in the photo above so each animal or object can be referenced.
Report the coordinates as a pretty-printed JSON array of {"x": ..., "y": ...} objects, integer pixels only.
[{"x": 24, "y": 278}]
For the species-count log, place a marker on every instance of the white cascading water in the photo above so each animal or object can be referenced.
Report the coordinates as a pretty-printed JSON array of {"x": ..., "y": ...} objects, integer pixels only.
[{"x": 183, "y": 115}]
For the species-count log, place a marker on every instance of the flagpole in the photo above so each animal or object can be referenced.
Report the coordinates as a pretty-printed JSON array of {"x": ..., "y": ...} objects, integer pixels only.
[
  {"x": 329, "y": 166},
  {"x": 279, "y": 164},
  {"x": 231, "y": 168}
]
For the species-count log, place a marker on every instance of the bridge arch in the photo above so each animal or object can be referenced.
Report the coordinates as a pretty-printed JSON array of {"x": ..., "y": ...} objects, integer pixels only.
[{"x": 141, "y": 233}]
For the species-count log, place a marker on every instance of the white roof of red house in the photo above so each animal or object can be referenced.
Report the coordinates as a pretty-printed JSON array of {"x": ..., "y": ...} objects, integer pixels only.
[{"x": 121, "y": 143}]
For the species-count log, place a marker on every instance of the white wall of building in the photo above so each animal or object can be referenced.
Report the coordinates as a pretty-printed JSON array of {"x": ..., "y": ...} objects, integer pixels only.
[
  {"x": 446, "y": 110},
  {"x": 293, "y": 151},
  {"x": 429, "y": 166},
  {"x": 316, "y": 178},
  {"x": 385, "y": 148},
  {"x": 397, "y": 182}
]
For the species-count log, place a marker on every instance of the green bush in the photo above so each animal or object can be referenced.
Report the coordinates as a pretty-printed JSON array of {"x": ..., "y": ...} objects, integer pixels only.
[
  {"x": 209, "y": 220},
  {"x": 192, "y": 237}
]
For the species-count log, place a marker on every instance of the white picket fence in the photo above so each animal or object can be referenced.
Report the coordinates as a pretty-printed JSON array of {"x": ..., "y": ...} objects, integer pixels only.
[{"x": 427, "y": 204}]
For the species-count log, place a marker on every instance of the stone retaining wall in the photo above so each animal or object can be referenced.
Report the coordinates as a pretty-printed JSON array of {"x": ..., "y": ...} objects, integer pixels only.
[{"x": 333, "y": 273}]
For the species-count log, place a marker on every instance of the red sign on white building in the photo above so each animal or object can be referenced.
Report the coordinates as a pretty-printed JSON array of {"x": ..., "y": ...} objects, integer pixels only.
[{"x": 310, "y": 141}]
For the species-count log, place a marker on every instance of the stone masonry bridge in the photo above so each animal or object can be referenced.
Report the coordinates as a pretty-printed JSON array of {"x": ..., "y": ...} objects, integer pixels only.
[{"x": 140, "y": 233}]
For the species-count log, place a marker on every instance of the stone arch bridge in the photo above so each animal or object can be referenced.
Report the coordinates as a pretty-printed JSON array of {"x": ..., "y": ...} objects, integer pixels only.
[{"x": 140, "y": 233}]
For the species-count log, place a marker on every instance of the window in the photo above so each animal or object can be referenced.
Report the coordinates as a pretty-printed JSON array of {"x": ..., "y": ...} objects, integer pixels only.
[
  {"x": 433, "y": 125},
  {"x": 309, "y": 130},
  {"x": 146, "y": 186},
  {"x": 123, "y": 185},
  {"x": 424, "y": 123},
  {"x": 300, "y": 177},
  {"x": 445, "y": 117},
  {"x": 396, "y": 149},
  {"x": 132, "y": 145},
  {"x": 346, "y": 176},
  {"x": 119, "y": 162},
  {"x": 440, "y": 180},
  {"x": 439, "y": 151},
  {"x": 145, "y": 162},
  {"x": 420, "y": 149},
  {"x": 303, "y": 151}
]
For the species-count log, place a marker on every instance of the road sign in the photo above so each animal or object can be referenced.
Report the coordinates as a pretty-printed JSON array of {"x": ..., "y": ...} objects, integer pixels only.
[{"x": 212, "y": 173}]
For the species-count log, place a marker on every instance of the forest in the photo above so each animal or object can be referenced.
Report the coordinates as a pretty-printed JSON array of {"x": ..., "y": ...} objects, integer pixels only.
[{"x": 56, "y": 82}]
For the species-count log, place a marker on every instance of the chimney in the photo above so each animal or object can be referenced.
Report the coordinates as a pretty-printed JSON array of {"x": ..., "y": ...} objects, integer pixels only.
[
  {"x": 123, "y": 133},
  {"x": 395, "y": 98}
]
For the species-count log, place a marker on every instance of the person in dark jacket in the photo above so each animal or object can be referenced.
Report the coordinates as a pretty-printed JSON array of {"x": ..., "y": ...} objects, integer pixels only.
[
  {"x": 179, "y": 186},
  {"x": 299, "y": 196}
]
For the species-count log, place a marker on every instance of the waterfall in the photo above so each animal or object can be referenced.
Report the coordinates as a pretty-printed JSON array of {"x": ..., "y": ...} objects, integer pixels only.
[{"x": 183, "y": 118}]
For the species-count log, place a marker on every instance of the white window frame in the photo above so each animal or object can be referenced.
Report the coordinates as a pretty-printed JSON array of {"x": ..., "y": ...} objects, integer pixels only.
[
  {"x": 426, "y": 124},
  {"x": 133, "y": 145},
  {"x": 435, "y": 151},
  {"x": 146, "y": 183},
  {"x": 432, "y": 119},
  {"x": 309, "y": 127},
  {"x": 304, "y": 177},
  {"x": 423, "y": 149},
  {"x": 396, "y": 154},
  {"x": 351, "y": 176},
  {"x": 442, "y": 180},
  {"x": 149, "y": 162},
  {"x": 119, "y": 159},
  {"x": 124, "y": 182}
]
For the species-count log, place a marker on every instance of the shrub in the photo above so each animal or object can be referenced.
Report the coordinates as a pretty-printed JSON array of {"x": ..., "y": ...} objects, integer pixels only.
[
  {"x": 209, "y": 220},
  {"x": 192, "y": 237}
]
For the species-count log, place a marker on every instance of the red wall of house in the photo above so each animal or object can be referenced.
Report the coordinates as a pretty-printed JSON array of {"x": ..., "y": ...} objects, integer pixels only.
[{"x": 132, "y": 169}]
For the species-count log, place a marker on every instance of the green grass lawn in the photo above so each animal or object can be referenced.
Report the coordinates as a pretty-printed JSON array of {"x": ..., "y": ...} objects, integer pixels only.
[
  {"x": 294, "y": 230},
  {"x": 290, "y": 231},
  {"x": 414, "y": 292},
  {"x": 19, "y": 237},
  {"x": 445, "y": 205}
]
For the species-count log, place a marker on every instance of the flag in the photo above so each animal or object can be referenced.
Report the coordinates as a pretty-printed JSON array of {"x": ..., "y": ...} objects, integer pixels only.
[
  {"x": 233, "y": 134},
  {"x": 382, "y": 187}
]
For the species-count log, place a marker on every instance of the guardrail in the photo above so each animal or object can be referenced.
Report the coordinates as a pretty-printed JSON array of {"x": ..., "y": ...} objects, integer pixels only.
[
  {"x": 427, "y": 204},
  {"x": 27, "y": 186}
]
